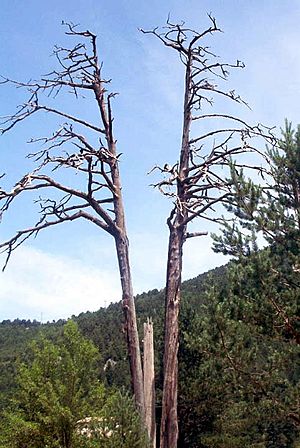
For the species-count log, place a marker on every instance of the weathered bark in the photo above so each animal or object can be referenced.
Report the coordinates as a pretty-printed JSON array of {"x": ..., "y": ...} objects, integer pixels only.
[
  {"x": 169, "y": 419},
  {"x": 122, "y": 248},
  {"x": 177, "y": 226},
  {"x": 149, "y": 382},
  {"x": 197, "y": 182},
  {"x": 80, "y": 71},
  {"x": 130, "y": 321}
]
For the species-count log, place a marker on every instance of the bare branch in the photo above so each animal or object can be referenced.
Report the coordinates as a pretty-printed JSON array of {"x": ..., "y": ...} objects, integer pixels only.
[
  {"x": 195, "y": 234},
  {"x": 79, "y": 71},
  {"x": 10, "y": 245}
]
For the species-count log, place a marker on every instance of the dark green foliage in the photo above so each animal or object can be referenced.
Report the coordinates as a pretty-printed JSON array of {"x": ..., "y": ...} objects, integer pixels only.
[
  {"x": 276, "y": 215},
  {"x": 60, "y": 403},
  {"x": 104, "y": 328},
  {"x": 257, "y": 314},
  {"x": 215, "y": 402},
  {"x": 217, "y": 405},
  {"x": 14, "y": 338},
  {"x": 248, "y": 372},
  {"x": 121, "y": 419},
  {"x": 56, "y": 387}
]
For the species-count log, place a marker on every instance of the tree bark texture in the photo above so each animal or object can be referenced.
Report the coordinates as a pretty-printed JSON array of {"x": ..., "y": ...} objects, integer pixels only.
[
  {"x": 177, "y": 227},
  {"x": 149, "y": 382},
  {"x": 169, "y": 420},
  {"x": 130, "y": 321},
  {"x": 196, "y": 183},
  {"x": 122, "y": 247}
]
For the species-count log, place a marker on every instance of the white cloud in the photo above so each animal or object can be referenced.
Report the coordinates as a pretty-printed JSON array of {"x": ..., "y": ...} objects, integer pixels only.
[
  {"x": 199, "y": 257},
  {"x": 39, "y": 285},
  {"x": 149, "y": 257},
  {"x": 36, "y": 283}
]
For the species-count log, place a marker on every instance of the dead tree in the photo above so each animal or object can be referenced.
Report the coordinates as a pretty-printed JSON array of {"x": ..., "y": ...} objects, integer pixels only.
[
  {"x": 88, "y": 150},
  {"x": 149, "y": 382},
  {"x": 199, "y": 182}
]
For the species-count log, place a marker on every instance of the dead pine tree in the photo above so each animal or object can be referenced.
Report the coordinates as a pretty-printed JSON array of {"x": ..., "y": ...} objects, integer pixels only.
[
  {"x": 149, "y": 382},
  {"x": 88, "y": 150},
  {"x": 199, "y": 182}
]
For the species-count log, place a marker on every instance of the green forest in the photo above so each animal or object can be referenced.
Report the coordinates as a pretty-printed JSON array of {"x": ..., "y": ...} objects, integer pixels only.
[{"x": 239, "y": 366}]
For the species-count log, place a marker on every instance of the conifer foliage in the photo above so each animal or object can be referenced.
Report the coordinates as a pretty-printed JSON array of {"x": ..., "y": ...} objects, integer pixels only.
[
  {"x": 251, "y": 330},
  {"x": 61, "y": 403},
  {"x": 274, "y": 212}
]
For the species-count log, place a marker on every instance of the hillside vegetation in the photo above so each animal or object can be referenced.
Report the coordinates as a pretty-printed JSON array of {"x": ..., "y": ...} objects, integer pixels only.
[{"x": 239, "y": 377}]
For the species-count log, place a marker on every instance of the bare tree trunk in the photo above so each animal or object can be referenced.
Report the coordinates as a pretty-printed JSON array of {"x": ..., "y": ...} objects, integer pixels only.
[
  {"x": 169, "y": 419},
  {"x": 196, "y": 183},
  {"x": 177, "y": 226},
  {"x": 122, "y": 246},
  {"x": 80, "y": 71},
  {"x": 149, "y": 385}
]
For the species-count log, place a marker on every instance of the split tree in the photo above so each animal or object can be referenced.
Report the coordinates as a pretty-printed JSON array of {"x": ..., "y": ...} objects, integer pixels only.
[{"x": 198, "y": 183}]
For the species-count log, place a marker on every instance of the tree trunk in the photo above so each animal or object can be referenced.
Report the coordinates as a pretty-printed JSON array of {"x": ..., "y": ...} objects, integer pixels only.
[
  {"x": 169, "y": 419},
  {"x": 149, "y": 384},
  {"x": 128, "y": 305},
  {"x": 177, "y": 226},
  {"x": 122, "y": 247}
]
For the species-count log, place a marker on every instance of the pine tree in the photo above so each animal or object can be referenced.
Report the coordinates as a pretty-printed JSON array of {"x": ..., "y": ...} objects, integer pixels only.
[
  {"x": 244, "y": 342},
  {"x": 272, "y": 210},
  {"x": 257, "y": 316},
  {"x": 59, "y": 392}
]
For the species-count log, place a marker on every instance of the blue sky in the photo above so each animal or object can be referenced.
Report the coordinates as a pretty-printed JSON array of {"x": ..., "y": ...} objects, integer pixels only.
[{"x": 73, "y": 268}]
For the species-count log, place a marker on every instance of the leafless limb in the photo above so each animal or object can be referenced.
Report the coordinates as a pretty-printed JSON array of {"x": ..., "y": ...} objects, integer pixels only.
[
  {"x": 99, "y": 199},
  {"x": 79, "y": 69},
  {"x": 194, "y": 234},
  {"x": 200, "y": 182},
  {"x": 206, "y": 160}
]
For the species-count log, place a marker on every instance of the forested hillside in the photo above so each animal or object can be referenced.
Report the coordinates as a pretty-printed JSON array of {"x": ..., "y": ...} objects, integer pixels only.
[
  {"x": 239, "y": 366},
  {"x": 103, "y": 327}
]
